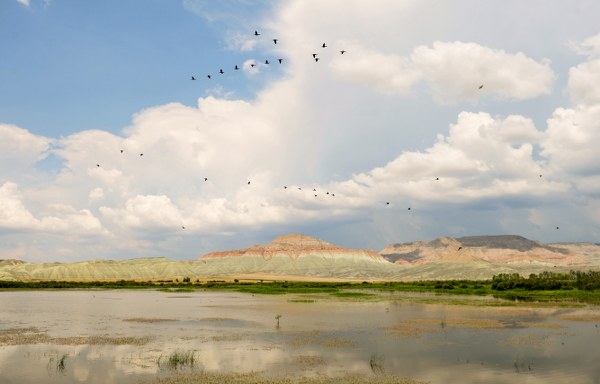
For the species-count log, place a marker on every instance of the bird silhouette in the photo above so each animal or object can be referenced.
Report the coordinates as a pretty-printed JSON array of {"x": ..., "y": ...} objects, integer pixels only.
[
  {"x": 280, "y": 60},
  {"x": 121, "y": 151},
  {"x": 253, "y": 65},
  {"x": 481, "y": 86},
  {"x": 387, "y": 203},
  {"x": 285, "y": 187},
  {"x": 266, "y": 61},
  {"x": 206, "y": 179},
  {"x": 256, "y": 33},
  {"x": 248, "y": 183},
  {"x": 323, "y": 46},
  {"x": 459, "y": 248},
  {"x": 275, "y": 41},
  {"x": 141, "y": 154},
  {"x": 299, "y": 188},
  {"x": 209, "y": 77},
  {"x": 409, "y": 208},
  {"x": 315, "y": 55},
  {"x": 315, "y": 195},
  {"x": 193, "y": 78},
  {"x": 333, "y": 194},
  {"x": 314, "y": 189},
  {"x": 437, "y": 178},
  {"x": 342, "y": 52},
  {"x": 97, "y": 165},
  {"x": 221, "y": 71},
  {"x": 236, "y": 68},
  {"x": 316, "y": 59},
  {"x": 557, "y": 228},
  {"x": 182, "y": 227}
]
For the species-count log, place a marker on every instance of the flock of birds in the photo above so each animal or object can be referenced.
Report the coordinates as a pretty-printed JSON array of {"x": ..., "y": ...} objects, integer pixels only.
[{"x": 315, "y": 57}]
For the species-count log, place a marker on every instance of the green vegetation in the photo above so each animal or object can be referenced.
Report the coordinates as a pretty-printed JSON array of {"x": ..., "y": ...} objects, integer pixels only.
[
  {"x": 178, "y": 360},
  {"x": 574, "y": 287}
]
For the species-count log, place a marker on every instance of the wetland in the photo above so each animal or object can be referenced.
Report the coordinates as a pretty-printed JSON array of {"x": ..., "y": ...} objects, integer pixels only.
[{"x": 363, "y": 336}]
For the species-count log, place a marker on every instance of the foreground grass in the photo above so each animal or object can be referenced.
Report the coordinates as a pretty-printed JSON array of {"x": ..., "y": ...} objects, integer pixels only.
[
  {"x": 566, "y": 295},
  {"x": 256, "y": 378}
]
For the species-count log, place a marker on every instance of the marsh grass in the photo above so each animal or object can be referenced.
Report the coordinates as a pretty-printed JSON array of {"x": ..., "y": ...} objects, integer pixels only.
[
  {"x": 178, "y": 360},
  {"x": 148, "y": 320},
  {"x": 58, "y": 364},
  {"x": 302, "y": 301},
  {"x": 258, "y": 378},
  {"x": 32, "y": 335}
]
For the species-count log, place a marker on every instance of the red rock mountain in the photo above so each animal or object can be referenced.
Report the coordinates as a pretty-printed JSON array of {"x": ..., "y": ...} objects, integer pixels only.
[
  {"x": 503, "y": 249},
  {"x": 296, "y": 246}
]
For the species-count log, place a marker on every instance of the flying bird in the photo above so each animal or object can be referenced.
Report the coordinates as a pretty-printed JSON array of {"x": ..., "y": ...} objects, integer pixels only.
[
  {"x": 275, "y": 41},
  {"x": 481, "y": 86},
  {"x": 316, "y": 59},
  {"x": 182, "y": 227},
  {"x": 387, "y": 203},
  {"x": 221, "y": 71},
  {"x": 206, "y": 179},
  {"x": 253, "y": 65},
  {"x": 315, "y": 55},
  {"x": 437, "y": 178},
  {"x": 323, "y": 46},
  {"x": 236, "y": 68},
  {"x": 280, "y": 60},
  {"x": 141, "y": 154},
  {"x": 121, "y": 151},
  {"x": 409, "y": 208},
  {"x": 266, "y": 61},
  {"x": 459, "y": 248},
  {"x": 97, "y": 165},
  {"x": 256, "y": 33},
  {"x": 209, "y": 77},
  {"x": 285, "y": 187},
  {"x": 342, "y": 52},
  {"x": 248, "y": 183},
  {"x": 193, "y": 78}
]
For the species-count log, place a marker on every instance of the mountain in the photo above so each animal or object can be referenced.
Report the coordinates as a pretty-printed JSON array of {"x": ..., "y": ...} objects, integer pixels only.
[
  {"x": 302, "y": 257},
  {"x": 298, "y": 255},
  {"x": 503, "y": 249}
]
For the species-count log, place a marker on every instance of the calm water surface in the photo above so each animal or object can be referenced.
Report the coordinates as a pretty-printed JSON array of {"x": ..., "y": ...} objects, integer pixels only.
[{"x": 235, "y": 332}]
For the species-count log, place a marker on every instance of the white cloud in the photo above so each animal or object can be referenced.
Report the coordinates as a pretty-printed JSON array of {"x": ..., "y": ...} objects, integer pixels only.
[
  {"x": 588, "y": 47},
  {"x": 24, "y": 2},
  {"x": 583, "y": 81},
  {"x": 20, "y": 150},
  {"x": 453, "y": 70},
  {"x": 146, "y": 212}
]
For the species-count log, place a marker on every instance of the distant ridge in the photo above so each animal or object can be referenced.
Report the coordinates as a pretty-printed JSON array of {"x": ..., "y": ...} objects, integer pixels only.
[
  {"x": 302, "y": 257},
  {"x": 498, "y": 249}
]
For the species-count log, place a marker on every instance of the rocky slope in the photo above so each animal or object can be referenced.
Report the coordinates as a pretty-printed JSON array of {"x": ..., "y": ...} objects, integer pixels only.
[
  {"x": 505, "y": 249},
  {"x": 303, "y": 257}
]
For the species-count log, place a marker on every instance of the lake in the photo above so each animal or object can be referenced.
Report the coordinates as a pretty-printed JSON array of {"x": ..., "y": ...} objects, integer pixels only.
[{"x": 133, "y": 336}]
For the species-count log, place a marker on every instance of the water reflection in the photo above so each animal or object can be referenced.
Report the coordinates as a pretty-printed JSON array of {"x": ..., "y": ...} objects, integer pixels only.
[{"x": 128, "y": 336}]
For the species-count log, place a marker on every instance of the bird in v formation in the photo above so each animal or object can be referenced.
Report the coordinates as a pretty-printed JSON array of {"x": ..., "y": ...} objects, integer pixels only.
[{"x": 266, "y": 62}]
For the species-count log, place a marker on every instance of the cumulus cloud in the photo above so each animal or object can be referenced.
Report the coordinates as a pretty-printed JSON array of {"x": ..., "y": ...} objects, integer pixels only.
[
  {"x": 588, "y": 47},
  {"x": 482, "y": 157},
  {"x": 453, "y": 70},
  {"x": 24, "y": 2},
  {"x": 61, "y": 218},
  {"x": 20, "y": 150},
  {"x": 583, "y": 80}
]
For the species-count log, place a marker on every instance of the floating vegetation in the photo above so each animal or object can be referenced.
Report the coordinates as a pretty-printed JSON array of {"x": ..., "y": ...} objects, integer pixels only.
[
  {"x": 529, "y": 340},
  {"x": 310, "y": 360},
  {"x": 148, "y": 320},
  {"x": 32, "y": 335},
  {"x": 257, "y": 378},
  {"x": 302, "y": 301},
  {"x": 178, "y": 360},
  {"x": 19, "y": 336}
]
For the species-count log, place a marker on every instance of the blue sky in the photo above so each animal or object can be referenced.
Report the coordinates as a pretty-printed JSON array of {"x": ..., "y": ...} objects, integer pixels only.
[{"x": 398, "y": 118}]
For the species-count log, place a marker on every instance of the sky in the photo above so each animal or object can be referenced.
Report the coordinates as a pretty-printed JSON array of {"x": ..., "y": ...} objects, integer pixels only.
[{"x": 441, "y": 118}]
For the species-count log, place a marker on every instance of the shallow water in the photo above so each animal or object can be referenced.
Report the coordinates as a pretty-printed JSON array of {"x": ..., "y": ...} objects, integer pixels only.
[{"x": 235, "y": 332}]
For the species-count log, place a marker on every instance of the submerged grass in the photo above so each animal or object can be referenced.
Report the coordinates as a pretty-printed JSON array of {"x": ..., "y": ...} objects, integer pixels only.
[{"x": 257, "y": 378}]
